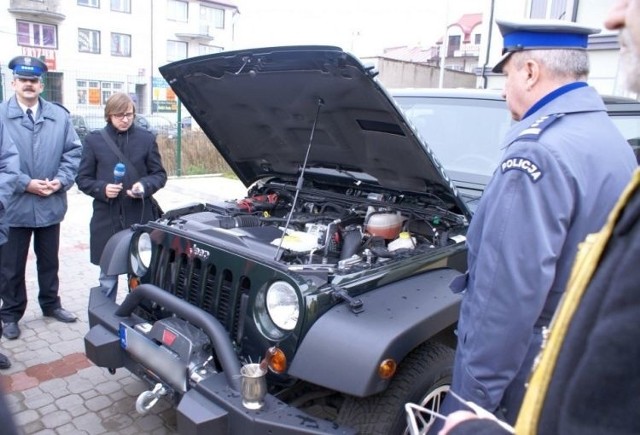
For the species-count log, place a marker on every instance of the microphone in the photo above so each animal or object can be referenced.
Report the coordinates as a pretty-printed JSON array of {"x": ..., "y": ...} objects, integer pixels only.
[{"x": 118, "y": 173}]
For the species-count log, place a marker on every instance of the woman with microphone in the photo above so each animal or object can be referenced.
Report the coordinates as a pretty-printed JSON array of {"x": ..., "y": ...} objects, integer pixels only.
[{"x": 120, "y": 168}]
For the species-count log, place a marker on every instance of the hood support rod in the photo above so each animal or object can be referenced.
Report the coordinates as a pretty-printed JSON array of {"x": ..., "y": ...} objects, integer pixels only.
[{"x": 320, "y": 103}]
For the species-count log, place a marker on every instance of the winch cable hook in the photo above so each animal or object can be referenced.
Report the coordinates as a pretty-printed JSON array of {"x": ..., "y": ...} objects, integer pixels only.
[{"x": 147, "y": 399}]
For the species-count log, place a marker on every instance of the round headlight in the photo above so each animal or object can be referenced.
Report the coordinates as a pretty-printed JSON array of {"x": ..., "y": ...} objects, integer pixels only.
[
  {"x": 283, "y": 305},
  {"x": 141, "y": 254}
]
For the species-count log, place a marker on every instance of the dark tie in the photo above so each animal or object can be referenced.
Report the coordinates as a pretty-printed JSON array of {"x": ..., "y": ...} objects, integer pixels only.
[{"x": 30, "y": 115}]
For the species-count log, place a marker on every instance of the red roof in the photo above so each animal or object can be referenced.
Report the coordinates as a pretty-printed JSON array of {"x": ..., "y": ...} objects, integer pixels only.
[{"x": 467, "y": 23}]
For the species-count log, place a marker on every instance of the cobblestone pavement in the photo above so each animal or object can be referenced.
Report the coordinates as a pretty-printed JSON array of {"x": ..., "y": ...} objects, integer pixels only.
[{"x": 51, "y": 387}]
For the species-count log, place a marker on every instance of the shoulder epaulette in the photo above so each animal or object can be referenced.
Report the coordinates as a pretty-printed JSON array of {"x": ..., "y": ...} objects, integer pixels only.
[
  {"x": 60, "y": 105},
  {"x": 536, "y": 129}
]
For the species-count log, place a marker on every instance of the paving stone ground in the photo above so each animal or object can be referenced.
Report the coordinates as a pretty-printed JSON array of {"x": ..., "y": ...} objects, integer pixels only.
[{"x": 51, "y": 387}]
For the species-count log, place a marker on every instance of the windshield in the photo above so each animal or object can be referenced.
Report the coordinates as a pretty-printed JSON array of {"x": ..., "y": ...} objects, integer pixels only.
[
  {"x": 159, "y": 122},
  {"x": 464, "y": 133},
  {"x": 629, "y": 126}
]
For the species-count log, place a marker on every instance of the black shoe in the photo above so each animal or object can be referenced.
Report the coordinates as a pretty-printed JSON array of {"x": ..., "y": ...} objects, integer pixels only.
[
  {"x": 62, "y": 315},
  {"x": 11, "y": 330},
  {"x": 4, "y": 362}
]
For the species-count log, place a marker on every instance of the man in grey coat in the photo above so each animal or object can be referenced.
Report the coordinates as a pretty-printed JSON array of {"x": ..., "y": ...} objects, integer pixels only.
[
  {"x": 9, "y": 166},
  {"x": 49, "y": 151},
  {"x": 564, "y": 166}
]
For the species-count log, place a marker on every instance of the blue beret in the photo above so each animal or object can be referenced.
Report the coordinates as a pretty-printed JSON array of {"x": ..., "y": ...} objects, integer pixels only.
[
  {"x": 541, "y": 35},
  {"x": 27, "y": 67}
]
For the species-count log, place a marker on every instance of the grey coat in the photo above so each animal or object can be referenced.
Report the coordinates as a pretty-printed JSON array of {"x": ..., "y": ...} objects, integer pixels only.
[
  {"x": 559, "y": 178},
  {"x": 9, "y": 167},
  {"x": 51, "y": 149}
]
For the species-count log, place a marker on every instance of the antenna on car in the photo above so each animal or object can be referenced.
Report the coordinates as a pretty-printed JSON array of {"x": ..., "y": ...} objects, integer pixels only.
[{"x": 320, "y": 103}]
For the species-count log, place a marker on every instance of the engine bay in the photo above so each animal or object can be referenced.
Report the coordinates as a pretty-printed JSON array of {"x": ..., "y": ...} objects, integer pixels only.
[{"x": 333, "y": 225}]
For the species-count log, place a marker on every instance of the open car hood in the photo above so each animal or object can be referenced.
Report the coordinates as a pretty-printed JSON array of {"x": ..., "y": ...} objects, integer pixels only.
[{"x": 266, "y": 110}]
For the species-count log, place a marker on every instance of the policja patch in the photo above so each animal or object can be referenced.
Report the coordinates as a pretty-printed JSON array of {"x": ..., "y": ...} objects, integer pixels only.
[
  {"x": 532, "y": 133},
  {"x": 522, "y": 164}
]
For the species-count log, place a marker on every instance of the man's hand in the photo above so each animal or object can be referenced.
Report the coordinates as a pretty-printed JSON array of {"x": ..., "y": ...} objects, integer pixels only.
[
  {"x": 54, "y": 185},
  {"x": 43, "y": 187},
  {"x": 456, "y": 418}
]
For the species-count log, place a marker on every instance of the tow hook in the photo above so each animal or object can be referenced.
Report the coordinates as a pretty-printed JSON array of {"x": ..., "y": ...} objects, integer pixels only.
[{"x": 147, "y": 399}]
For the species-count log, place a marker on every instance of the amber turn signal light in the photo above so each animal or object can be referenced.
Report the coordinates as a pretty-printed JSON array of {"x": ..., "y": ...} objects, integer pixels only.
[
  {"x": 134, "y": 282},
  {"x": 277, "y": 360},
  {"x": 387, "y": 369}
]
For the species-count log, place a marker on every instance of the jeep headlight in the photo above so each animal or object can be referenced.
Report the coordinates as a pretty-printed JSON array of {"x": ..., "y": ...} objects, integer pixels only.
[
  {"x": 283, "y": 305},
  {"x": 141, "y": 254}
]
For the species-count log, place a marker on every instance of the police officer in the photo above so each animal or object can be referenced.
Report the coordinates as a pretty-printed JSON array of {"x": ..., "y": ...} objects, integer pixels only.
[
  {"x": 49, "y": 151},
  {"x": 9, "y": 164},
  {"x": 563, "y": 168}
]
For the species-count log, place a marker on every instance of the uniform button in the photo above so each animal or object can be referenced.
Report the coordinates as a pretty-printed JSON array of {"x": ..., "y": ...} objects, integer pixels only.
[{"x": 480, "y": 393}]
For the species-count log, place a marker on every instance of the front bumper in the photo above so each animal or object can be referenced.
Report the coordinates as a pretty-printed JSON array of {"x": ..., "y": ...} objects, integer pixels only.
[{"x": 211, "y": 405}]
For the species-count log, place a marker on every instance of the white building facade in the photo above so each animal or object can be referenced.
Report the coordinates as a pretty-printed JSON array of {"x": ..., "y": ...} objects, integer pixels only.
[{"x": 94, "y": 48}]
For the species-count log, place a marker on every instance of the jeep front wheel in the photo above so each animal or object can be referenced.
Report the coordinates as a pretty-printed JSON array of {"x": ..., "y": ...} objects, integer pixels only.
[{"x": 423, "y": 378}]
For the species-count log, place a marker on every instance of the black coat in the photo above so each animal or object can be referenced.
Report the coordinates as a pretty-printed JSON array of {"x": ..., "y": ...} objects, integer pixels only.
[
  {"x": 595, "y": 384},
  {"x": 96, "y": 171}
]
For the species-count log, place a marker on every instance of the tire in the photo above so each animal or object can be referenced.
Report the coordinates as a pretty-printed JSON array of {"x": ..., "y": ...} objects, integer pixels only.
[{"x": 423, "y": 378}]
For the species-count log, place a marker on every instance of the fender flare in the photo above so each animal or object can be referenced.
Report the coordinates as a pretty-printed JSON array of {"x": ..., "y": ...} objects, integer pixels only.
[
  {"x": 115, "y": 256},
  {"x": 342, "y": 350}
]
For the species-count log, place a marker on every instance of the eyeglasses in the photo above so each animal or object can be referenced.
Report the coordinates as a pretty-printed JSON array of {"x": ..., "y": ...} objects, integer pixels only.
[{"x": 121, "y": 116}]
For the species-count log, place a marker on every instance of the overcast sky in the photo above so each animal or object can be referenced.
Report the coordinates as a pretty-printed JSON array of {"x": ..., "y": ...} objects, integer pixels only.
[{"x": 363, "y": 27}]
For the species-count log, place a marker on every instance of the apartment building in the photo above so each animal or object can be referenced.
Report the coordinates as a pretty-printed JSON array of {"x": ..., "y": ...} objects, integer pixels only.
[{"x": 94, "y": 48}]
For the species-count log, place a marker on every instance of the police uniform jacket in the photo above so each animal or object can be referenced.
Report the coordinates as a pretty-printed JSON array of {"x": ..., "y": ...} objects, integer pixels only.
[
  {"x": 588, "y": 379},
  {"x": 48, "y": 148},
  {"x": 563, "y": 168},
  {"x": 96, "y": 171},
  {"x": 9, "y": 167}
]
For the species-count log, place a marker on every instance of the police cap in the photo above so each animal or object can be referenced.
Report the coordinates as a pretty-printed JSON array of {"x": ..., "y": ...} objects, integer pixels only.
[
  {"x": 27, "y": 67},
  {"x": 537, "y": 34}
]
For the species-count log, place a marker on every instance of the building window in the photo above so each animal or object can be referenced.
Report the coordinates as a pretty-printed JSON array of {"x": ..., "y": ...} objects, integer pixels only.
[
  {"x": 121, "y": 6},
  {"x": 454, "y": 44},
  {"x": 178, "y": 10},
  {"x": 212, "y": 17},
  {"x": 176, "y": 50},
  {"x": 477, "y": 38},
  {"x": 95, "y": 92},
  {"x": 208, "y": 49},
  {"x": 88, "y": 41},
  {"x": 120, "y": 44},
  {"x": 83, "y": 96},
  {"x": 557, "y": 9},
  {"x": 32, "y": 34},
  {"x": 90, "y": 3}
]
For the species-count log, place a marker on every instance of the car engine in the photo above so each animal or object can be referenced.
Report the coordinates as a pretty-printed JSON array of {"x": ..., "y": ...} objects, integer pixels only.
[{"x": 339, "y": 228}]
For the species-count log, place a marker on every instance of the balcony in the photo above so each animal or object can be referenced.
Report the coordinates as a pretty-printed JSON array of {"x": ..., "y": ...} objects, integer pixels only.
[
  {"x": 202, "y": 32},
  {"x": 467, "y": 50},
  {"x": 46, "y": 11}
]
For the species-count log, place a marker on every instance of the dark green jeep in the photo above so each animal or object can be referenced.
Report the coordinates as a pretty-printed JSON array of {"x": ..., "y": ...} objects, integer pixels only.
[{"x": 333, "y": 272}]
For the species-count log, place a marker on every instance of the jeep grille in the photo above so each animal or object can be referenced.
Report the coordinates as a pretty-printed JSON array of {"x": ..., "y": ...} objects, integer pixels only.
[{"x": 218, "y": 290}]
